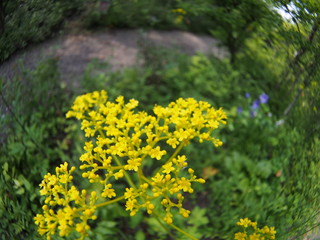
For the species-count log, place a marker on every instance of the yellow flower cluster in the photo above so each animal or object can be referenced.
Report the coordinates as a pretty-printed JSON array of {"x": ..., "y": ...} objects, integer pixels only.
[
  {"x": 120, "y": 141},
  {"x": 264, "y": 233},
  {"x": 181, "y": 13},
  {"x": 65, "y": 209},
  {"x": 179, "y": 10}
]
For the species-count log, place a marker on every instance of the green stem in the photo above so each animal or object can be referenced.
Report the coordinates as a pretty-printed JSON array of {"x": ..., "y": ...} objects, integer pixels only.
[
  {"x": 146, "y": 180},
  {"x": 156, "y": 215},
  {"x": 104, "y": 203},
  {"x": 113, "y": 168},
  {"x": 109, "y": 202},
  {"x": 176, "y": 152},
  {"x": 140, "y": 175},
  {"x": 126, "y": 175},
  {"x": 183, "y": 232}
]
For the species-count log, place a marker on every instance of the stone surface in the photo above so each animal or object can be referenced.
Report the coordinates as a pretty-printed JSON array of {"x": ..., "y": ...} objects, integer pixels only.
[{"x": 119, "y": 48}]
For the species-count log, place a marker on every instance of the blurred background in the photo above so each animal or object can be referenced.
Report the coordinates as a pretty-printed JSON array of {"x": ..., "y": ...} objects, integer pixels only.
[{"x": 258, "y": 59}]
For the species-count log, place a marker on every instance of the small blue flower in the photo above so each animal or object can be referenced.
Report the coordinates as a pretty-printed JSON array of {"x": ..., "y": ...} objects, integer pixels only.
[
  {"x": 247, "y": 95},
  {"x": 239, "y": 109},
  {"x": 255, "y": 104},
  {"x": 263, "y": 98}
]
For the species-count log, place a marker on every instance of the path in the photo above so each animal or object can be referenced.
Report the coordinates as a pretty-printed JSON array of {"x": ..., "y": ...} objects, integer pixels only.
[{"x": 118, "y": 47}]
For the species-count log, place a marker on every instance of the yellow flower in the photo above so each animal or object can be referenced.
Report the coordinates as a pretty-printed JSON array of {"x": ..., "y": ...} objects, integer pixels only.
[
  {"x": 108, "y": 191},
  {"x": 181, "y": 161},
  {"x": 240, "y": 236},
  {"x": 179, "y": 10},
  {"x": 185, "y": 185},
  {"x": 179, "y": 19},
  {"x": 272, "y": 231},
  {"x": 158, "y": 178},
  {"x": 131, "y": 204},
  {"x": 119, "y": 174},
  {"x": 82, "y": 228},
  {"x": 157, "y": 153},
  {"x": 129, "y": 193},
  {"x": 173, "y": 142},
  {"x": 254, "y": 225},
  {"x": 255, "y": 236},
  {"x": 258, "y": 234},
  {"x": 168, "y": 218},
  {"x": 69, "y": 202},
  {"x": 244, "y": 222},
  {"x": 133, "y": 164},
  {"x": 150, "y": 207},
  {"x": 168, "y": 168}
]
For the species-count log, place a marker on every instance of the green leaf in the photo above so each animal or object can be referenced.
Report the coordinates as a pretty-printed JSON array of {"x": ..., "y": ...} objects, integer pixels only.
[
  {"x": 198, "y": 217},
  {"x": 5, "y": 167},
  {"x": 16, "y": 148},
  {"x": 25, "y": 182},
  {"x": 264, "y": 169},
  {"x": 139, "y": 235},
  {"x": 20, "y": 191},
  {"x": 136, "y": 220},
  {"x": 106, "y": 228}
]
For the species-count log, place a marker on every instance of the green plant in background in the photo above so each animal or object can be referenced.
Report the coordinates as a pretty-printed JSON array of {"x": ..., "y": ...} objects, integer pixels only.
[
  {"x": 24, "y": 22},
  {"x": 32, "y": 125},
  {"x": 121, "y": 144},
  {"x": 146, "y": 14},
  {"x": 242, "y": 179},
  {"x": 256, "y": 172}
]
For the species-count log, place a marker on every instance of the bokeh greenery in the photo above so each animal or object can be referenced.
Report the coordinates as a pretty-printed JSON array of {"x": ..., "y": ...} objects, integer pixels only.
[
  {"x": 32, "y": 21},
  {"x": 267, "y": 169}
]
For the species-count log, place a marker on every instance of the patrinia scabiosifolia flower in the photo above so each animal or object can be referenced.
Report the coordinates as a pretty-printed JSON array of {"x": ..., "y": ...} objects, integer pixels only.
[
  {"x": 252, "y": 232},
  {"x": 120, "y": 141}
]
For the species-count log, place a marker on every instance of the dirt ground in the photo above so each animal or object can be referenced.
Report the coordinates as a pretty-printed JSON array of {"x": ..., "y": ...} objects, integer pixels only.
[{"x": 120, "y": 48}]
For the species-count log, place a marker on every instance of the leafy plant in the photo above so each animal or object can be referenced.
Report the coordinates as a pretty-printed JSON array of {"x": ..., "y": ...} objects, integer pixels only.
[
  {"x": 23, "y": 22},
  {"x": 33, "y": 125},
  {"x": 147, "y": 14}
]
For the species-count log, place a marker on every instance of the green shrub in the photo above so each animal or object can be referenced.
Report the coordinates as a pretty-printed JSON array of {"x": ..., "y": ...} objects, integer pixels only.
[
  {"x": 130, "y": 14},
  {"x": 25, "y": 22},
  {"x": 33, "y": 140}
]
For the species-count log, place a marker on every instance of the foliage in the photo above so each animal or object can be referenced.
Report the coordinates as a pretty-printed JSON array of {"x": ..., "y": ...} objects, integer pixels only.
[
  {"x": 232, "y": 22},
  {"x": 24, "y": 22},
  {"x": 33, "y": 138},
  {"x": 143, "y": 13}
]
